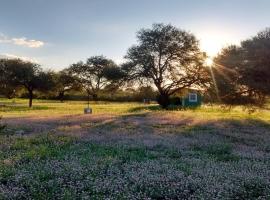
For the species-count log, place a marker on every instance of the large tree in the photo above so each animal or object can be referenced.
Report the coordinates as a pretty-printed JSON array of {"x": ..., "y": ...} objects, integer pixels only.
[
  {"x": 6, "y": 88},
  {"x": 64, "y": 82},
  {"x": 167, "y": 57},
  {"x": 95, "y": 74},
  {"x": 28, "y": 75},
  {"x": 242, "y": 72}
]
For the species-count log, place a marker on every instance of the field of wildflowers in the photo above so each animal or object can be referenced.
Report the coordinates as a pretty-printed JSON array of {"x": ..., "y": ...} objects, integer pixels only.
[{"x": 134, "y": 152}]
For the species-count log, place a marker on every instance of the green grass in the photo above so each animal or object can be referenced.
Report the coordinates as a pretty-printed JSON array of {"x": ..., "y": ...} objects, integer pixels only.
[
  {"x": 19, "y": 108},
  {"x": 142, "y": 152},
  {"x": 219, "y": 152},
  {"x": 44, "y": 108},
  {"x": 60, "y": 167}
]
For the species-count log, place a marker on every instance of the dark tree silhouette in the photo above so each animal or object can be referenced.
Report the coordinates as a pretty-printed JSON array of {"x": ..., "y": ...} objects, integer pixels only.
[
  {"x": 242, "y": 72},
  {"x": 167, "y": 57},
  {"x": 28, "y": 75},
  {"x": 6, "y": 88},
  {"x": 97, "y": 73},
  {"x": 64, "y": 82}
]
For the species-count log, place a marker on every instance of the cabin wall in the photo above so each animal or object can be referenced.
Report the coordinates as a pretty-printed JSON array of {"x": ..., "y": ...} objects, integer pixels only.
[{"x": 187, "y": 103}]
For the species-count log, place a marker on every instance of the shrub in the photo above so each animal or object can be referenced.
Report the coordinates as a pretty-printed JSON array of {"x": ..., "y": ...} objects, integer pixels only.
[
  {"x": 2, "y": 126},
  {"x": 175, "y": 101}
]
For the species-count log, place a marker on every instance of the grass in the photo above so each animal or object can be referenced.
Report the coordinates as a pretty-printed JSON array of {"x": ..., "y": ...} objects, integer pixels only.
[
  {"x": 132, "y": 151},
  {"x": 19, "y": 108},
  {"x": 220, "y": 152}
]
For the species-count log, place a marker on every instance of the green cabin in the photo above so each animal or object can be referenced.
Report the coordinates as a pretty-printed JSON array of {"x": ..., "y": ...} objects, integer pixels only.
[{"x": 188, "y": 98}]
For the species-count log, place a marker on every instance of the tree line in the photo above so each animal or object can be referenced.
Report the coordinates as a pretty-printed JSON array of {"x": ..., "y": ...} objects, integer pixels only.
[{"x": 165, "y": 57}]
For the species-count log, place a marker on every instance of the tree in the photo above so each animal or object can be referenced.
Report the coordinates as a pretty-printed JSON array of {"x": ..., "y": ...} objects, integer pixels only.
[
  {"x": 94, "y": 75},
  {"x": 146, "y": 92},
  {"x": 64, "y": 82},
  {"x": 6, "y": 89},
  {"x": 242, "y": 72},
  {"x": 28, "y": 75},
  {"x": 167, "y": 57},
  {"x": 256, "y": 54}
]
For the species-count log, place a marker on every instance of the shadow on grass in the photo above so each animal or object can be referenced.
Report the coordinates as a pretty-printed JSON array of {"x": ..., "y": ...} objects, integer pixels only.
[
  {"x": 158, "y": 108},
  {"x": 145, "y": 108},
  {"x": 251, "y": 132}
]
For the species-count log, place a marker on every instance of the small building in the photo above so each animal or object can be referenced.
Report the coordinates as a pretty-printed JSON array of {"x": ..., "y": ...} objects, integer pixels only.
[{"x": 189, "y": 97}]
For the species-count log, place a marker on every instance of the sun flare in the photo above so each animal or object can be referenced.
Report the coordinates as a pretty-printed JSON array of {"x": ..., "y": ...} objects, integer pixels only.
[{"x": 209, "y": 62}]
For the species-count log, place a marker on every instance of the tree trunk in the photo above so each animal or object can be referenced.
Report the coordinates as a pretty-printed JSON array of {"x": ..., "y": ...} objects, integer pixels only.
[
  {"x": 30, "y": 98},
  {"x": 95, "y": 97},
  {"x": 61, "y": 96},
  {"x": 88, "y": 100},
  {"x": 163, "y": 100}
]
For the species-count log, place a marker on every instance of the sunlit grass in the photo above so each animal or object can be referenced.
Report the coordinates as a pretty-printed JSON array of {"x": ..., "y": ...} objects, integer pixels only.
[
  {"x": 46, "y": 108},
  {"x": 19, "y": 108}
]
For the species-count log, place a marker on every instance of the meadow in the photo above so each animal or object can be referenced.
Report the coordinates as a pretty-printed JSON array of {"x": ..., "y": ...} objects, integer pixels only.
[{"x": 132, "y": 151}]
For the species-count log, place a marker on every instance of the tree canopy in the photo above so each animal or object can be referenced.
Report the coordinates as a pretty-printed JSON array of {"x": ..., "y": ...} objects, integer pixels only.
[
  {"x": 167, "y": 57},
  {"x": 64, "y": 81},
  {"x": 95, "y": 74},
  {"x": 242, "y": 72},
  {"x": 6, "y": 87},
  {"x": 19, "y": 73}
]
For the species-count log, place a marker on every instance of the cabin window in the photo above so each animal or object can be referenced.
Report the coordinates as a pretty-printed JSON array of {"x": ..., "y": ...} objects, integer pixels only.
[{"x": 193, "y": 97}]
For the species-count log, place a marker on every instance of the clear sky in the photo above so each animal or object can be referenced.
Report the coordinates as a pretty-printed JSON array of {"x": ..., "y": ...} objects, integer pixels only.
[{"x": 56, "y": 33}]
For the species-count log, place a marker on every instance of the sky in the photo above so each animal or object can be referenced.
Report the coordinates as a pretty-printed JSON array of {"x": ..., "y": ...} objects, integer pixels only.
[{"x": 57, "y": 33}]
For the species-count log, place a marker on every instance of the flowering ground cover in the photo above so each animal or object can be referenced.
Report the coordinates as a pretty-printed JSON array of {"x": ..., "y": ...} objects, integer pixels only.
[{"x": 133, "y": 152}]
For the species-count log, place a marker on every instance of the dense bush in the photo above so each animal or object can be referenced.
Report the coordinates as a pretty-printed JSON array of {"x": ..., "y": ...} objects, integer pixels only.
[
  {"x": 2, "y": 126},
  {"x": 177, "y": 101}
]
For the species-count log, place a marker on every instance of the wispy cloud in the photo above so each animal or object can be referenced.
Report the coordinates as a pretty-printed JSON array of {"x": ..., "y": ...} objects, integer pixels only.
[
  {"x": 28, "y": 43},
  {"x": 12, "y": 56},
  {"x": 22, "y": 41}
]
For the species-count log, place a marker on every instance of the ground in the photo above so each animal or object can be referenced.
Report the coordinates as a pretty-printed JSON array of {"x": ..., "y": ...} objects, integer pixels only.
[{"x": 132, "y": 151}]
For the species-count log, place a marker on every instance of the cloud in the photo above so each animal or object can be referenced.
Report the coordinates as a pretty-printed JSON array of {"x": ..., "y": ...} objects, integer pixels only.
[
  {"x": 28, "y": 43},
  {"x": 12, "y": 56},
  {"x": 21, "y": 41}
]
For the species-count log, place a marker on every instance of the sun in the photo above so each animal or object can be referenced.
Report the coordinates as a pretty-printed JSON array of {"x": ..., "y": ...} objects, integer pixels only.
[{"x": 209, "y": 62}]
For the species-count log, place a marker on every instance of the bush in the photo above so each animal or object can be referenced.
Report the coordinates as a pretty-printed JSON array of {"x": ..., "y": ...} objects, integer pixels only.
[
  {"x": 2, "y": 126},
  {"x": 163, "y": 100},
  {"x": 175, "y": 101}
]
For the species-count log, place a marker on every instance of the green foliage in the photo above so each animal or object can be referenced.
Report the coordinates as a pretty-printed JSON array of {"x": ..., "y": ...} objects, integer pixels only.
[
  {"x": 242, "y": 72},
  {"x": 162, "y": 53},
  {"x": 176, "y": 101},
  {"x": 19, "y": 73},
  {"x": 63, "y": 82},
  {"x": 95, "y": 74},
  {"x": 7, "y": 88}
]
